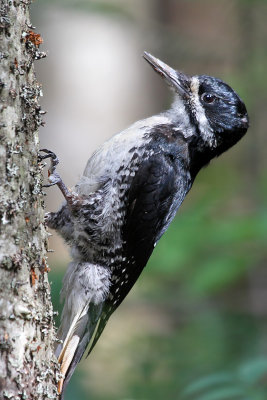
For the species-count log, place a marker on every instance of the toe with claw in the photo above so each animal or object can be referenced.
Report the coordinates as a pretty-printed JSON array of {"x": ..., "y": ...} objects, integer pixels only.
[{"x": 53, "y": 176}]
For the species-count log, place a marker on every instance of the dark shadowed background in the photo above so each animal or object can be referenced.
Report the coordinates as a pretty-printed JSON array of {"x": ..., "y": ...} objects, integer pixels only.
[{"x": 194, "y": 327}]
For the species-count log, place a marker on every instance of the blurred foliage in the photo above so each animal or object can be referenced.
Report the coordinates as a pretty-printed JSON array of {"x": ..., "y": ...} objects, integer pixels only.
[{"x": 247, "y": 382}]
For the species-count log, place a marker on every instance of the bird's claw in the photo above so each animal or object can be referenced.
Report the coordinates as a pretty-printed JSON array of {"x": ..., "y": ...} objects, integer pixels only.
[
  {"x": 53, "y": 176},
  {"x": 49, "y": 154},
  {"x": 47, "y": 217}
]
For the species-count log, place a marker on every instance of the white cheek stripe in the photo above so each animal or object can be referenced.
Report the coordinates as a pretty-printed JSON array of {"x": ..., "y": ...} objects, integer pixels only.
[{"x": 205, "y": 129}]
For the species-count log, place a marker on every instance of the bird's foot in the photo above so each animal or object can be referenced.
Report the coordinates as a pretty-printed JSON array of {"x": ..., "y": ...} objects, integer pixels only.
[
  {"x": 48, "y": 217},
  {"x": 53, "y": 176}
]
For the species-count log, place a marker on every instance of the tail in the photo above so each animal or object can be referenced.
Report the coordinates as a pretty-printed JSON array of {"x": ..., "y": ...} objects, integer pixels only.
[
  {"x": 81, "y": 333},
  {"x": 85, "y": 288}
]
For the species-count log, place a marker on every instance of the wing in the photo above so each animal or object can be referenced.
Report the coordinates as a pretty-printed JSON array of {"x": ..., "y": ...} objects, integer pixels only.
[{"x": 156, "y": 193}]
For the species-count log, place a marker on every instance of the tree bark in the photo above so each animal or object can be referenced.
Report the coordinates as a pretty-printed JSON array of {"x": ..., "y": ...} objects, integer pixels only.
[{"x": 28, "y": 368}]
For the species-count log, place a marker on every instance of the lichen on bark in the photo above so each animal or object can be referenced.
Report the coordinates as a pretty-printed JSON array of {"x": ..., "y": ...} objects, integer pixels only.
[{"x": 28, "y": 368}]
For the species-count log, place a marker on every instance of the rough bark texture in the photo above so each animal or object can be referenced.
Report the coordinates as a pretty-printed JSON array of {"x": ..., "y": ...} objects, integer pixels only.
[{"x": 28, "y": 368}]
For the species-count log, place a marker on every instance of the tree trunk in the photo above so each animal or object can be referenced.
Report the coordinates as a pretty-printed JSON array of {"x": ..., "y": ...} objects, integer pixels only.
[{"x": 28, "y": 368}]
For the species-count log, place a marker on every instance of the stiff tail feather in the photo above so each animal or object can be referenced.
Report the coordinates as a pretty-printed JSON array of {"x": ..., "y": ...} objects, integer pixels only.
[{"x": 82, "y": 332}]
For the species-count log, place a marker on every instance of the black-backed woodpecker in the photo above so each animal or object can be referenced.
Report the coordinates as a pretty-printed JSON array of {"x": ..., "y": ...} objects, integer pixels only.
[{"x": 129, "y": 193}]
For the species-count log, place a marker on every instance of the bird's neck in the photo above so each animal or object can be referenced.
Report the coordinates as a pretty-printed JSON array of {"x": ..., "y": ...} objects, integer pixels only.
[
  {"x": 179, "y": 117},
  {"x": 199, "y": 155}
]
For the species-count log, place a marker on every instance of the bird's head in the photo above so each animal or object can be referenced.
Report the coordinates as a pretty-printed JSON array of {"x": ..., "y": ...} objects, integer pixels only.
[{"x": 215, "y": 110}]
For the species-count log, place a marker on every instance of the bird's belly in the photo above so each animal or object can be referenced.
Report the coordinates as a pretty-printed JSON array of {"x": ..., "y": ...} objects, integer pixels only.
[{"x": 97, "y": 244}]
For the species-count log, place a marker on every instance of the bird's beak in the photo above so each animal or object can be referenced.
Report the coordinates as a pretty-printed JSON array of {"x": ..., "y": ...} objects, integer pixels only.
[{"x": 176, "y": 79}]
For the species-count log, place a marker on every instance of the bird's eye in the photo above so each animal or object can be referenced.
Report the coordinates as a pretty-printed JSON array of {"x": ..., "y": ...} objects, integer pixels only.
[{"x": 208, "y": 98}]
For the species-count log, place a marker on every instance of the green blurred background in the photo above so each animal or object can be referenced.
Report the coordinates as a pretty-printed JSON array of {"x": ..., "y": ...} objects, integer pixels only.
[{"x": 194, "y": 327}]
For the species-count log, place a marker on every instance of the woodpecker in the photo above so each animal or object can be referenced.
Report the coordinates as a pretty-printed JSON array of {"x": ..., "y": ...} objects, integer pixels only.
[{"x": 129, "y": 193}]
